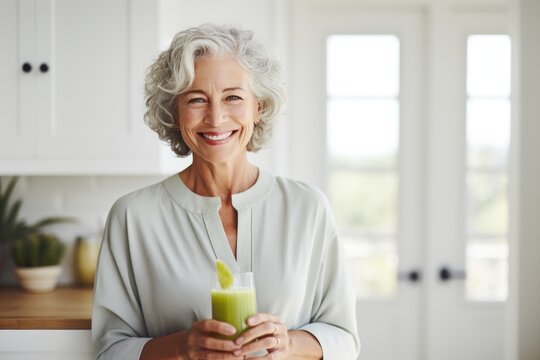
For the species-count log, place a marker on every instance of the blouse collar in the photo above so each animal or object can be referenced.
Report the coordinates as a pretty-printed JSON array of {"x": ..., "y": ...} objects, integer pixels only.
[{"x": 191, "y": 201}]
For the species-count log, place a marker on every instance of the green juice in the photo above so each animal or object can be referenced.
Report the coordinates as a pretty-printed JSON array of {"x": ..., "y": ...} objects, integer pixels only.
[{"x": 234, "y": 306}]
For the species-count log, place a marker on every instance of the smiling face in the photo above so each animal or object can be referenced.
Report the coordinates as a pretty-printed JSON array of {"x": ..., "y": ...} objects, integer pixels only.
[{"x": 216, "y": 114}]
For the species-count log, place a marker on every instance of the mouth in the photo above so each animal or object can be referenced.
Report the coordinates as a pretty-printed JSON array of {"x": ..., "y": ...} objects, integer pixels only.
[{"x": 217, "y": 138}]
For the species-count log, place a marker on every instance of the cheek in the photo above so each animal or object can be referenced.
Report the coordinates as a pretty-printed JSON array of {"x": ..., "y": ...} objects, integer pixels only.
[
  {"x": 247, "y": 114},
  {"x": 186, "y": 118}
]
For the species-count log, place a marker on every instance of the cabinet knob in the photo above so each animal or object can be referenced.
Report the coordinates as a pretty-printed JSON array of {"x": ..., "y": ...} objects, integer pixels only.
[
  {"x": 26, "y": 67},
  {"x": 44, "y": 68}
]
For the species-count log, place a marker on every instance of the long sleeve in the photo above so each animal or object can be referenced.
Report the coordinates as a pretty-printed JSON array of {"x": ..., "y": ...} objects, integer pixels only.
[
  {"x": 333, "y": 322},
  {"x": 118, "y": 327}
]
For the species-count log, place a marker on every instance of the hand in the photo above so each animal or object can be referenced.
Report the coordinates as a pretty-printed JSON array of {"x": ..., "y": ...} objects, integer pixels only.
[
  {"x": 201, "y": 341},
  {"x": 266, "y": 332}
]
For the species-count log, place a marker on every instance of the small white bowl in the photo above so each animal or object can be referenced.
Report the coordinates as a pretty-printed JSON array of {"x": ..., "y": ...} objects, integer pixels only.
[{"x": 39, "y": 279}]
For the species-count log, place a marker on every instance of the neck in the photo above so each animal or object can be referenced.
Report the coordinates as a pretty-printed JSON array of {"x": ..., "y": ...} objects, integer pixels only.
[{"x": 222, "y": 180}]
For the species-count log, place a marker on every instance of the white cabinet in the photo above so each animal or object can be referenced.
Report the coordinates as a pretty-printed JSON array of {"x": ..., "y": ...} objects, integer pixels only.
[
  {"x": 46, "y": 344},
  {"x": 77, "y": 106}
]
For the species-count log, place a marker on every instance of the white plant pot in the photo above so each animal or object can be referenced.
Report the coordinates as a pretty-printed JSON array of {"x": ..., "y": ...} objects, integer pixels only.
[{"x": 38, "y": 279}]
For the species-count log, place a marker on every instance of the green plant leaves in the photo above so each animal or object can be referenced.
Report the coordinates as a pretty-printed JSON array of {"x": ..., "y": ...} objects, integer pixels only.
[
  {"x": 11, "y": 226},
  {"x": 37, "y": 250}
]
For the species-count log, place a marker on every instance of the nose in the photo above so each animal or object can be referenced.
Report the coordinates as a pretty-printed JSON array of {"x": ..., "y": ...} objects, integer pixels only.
[{"x": 216, "y": 114}]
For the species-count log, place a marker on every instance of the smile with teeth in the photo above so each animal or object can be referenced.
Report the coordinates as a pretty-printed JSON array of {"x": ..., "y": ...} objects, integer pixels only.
[{"x": 216, "y": 136}]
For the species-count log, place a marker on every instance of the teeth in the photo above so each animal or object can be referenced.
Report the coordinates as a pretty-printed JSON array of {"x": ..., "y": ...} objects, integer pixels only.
[{"x": 217, "y": 137}]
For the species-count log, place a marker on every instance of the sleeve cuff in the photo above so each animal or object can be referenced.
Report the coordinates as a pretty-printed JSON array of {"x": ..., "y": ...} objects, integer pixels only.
[
  {"x": 129, "y": 348},
  {"x": 336, "y": 343}
]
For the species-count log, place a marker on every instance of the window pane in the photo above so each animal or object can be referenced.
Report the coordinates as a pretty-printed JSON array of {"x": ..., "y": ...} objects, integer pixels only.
[
  {"x": 488, "y": 139},
  {"x": 363, "y": 132},
  {"x": 365, "y": 202},
  {"x": 488, "y": 203},
  {"x": 363, "y": 144},
  {"x": 363, "y": 65},
  {"x": 373, "y": 265},
  {"x": 488, "y": 65},
  {"x": 487, "y": 270},
  {"x": 488, "y": 132}
]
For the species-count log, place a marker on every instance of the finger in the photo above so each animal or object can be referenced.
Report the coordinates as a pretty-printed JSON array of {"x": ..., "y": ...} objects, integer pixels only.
[
  {"x": 212, "y": 343},
  {"x": 261, "y": 330},
  {"x": 214, "y": 326},
  {"x": 213, "y": 355},
  {"x": 263, "y": 317},
  {"x": 266, "y": 343},
  {"x": 281, "y": 354}
]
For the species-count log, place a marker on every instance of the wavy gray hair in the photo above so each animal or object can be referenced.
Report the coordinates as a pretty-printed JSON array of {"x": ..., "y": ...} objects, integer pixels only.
[{"x": 174, "y": 70}]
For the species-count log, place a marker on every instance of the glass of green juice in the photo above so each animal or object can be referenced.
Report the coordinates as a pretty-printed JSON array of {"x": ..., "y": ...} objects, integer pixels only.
[{"x": 236, "y": 303}]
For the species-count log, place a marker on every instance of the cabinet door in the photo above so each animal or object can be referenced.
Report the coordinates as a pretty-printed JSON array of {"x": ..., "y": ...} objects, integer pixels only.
[
  {"x": 46, "y": 345},
  {"x": 16, "y": 91},
  {"x": 92, "y": 57}
]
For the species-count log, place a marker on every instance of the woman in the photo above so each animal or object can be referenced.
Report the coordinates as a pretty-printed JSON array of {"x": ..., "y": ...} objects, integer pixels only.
[{"x": 215, "y": 93}]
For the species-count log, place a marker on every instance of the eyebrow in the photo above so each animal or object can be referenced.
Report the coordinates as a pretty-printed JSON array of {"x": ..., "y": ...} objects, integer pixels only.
[
  {"x": 197, "y": 91},
  {"x": 234, "y": 88}
]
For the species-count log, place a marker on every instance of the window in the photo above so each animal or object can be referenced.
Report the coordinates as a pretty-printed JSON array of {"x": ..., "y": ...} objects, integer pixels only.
[
  {"x": 363, "y": 147},
  {"x": 488, "y": 138}
]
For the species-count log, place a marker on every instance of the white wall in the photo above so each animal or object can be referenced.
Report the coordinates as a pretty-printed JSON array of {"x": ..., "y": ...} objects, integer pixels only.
[{"x": 87, "y": 198}]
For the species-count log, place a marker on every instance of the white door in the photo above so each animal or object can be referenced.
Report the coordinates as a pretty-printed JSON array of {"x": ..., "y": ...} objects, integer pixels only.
[
  {"x": 378, "y": 100},
  {"x": 467, "y": 207}
]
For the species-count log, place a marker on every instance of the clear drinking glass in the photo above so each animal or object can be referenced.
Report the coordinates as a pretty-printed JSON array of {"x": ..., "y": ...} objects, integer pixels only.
[{"x": 235, "y": 304}]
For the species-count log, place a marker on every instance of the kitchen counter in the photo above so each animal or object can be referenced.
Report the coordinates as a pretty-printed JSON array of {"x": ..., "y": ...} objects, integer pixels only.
[{"x": 63, "y": 309}]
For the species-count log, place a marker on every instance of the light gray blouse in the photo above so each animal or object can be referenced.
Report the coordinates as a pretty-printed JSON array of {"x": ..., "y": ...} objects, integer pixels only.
[{"x": 160, "y": 245}]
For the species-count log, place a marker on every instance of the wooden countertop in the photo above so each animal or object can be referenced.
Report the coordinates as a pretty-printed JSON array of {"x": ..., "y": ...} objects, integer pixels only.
[{"x": 64, "y": 308}]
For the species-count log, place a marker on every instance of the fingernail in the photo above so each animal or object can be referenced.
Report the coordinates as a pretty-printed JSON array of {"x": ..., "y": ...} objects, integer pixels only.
[
  {"x": 231, "y": 330},
  {"x": 237, "y": 352},
  {"x": 239, "y": 341}
]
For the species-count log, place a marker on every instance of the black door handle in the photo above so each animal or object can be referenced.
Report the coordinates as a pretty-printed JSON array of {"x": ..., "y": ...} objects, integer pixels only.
[
  {"x": 44, "y": 68},
  {"x": 447, "y": 274},
  {"x": 412, "y": 276},
  {"x": 26, "y": 67}
]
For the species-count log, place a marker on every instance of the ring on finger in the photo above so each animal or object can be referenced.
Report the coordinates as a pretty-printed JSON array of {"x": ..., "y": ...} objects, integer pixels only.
[
  {"x": 278, "y": 342},
  {"x": 275, "y": 329}
]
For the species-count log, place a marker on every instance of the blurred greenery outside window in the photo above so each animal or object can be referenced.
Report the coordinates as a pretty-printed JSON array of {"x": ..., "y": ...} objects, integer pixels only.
[
  {"x": 488, "y": 140},
  {"x": 363, "y": 153},
  {"x": 363, "y": 146}
]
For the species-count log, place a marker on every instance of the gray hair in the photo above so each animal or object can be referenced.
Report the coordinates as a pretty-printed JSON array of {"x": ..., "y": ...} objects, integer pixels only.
[{"x": 174, "y": 71}]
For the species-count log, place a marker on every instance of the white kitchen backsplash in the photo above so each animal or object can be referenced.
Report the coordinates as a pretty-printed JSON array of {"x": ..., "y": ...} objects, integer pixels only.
[{"x": 86, "y": 198}]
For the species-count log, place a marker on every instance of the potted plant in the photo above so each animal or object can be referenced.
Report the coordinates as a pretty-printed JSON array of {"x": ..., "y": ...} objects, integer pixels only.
[
  {"x": 13, "y": 228},
  {"x": 37, "y": 259}
]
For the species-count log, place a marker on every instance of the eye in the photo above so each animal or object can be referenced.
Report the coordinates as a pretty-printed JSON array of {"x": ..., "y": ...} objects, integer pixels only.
[
  {"x": 197, "y": 100},
  {"x": 233, "y": 98}
]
